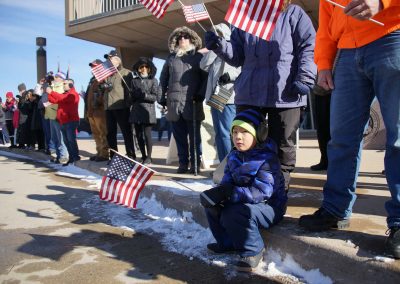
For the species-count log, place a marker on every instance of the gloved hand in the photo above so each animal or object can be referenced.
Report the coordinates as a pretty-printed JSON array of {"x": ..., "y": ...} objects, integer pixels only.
[
  {"x": 224, "y": 79},
  {"x": 299, "y": 88},
  {"x": 198, "y": 99},
  {"x": 163, "y": 101},
  {"x": 211, "y": 40},
  {"x": 216, "y": 195}
]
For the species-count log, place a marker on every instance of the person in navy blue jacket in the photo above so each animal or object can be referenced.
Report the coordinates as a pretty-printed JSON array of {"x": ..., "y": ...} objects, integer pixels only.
[
  {"x": 251, "y": 194},
  {"x": 277, "y": 75}
]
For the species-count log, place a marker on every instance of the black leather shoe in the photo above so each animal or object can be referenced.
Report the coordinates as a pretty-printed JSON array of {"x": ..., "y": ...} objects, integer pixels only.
[
  {"x": 392, "y": 244},
  {"x": 100, "y": 159},
  {"x": 192, "y": 170},
  {"x": 319, "y": 167},
  {"x": 216, "y": 248},
  {"x": 248, "y": 263},
  {"x": 182, "y": 170},
  {"x": 322, "y": 220}
]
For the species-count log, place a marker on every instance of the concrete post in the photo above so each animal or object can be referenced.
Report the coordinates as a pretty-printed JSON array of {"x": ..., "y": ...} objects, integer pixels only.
[{"x": 41, "y": 58}]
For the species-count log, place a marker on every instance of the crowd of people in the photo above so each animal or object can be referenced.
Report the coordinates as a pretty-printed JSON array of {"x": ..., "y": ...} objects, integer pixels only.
[{"x": 258, "y": 79}]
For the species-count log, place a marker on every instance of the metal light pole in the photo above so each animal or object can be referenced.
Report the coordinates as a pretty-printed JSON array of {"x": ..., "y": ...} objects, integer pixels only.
[{"x": 41, "y": 58}]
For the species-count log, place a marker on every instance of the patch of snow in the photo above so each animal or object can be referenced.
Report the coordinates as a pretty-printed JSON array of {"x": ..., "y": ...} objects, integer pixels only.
[{"x": 384, "y": 259}]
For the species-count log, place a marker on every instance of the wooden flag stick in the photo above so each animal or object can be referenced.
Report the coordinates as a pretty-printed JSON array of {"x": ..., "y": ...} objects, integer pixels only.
[
  {"x": 341, "y": 6},
  {"x": 215, "y": 30},
  {"x": 130, "y": 159}
]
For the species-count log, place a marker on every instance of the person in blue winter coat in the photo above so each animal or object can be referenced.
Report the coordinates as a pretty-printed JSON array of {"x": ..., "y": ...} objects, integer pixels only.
[
  {"x": 277, "y": 75},
  {"x": 251, "y": 194}
]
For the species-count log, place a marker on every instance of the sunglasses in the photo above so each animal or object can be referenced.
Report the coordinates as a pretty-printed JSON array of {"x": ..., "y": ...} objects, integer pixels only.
[
  {"x": 143, "y": 66},
  {"x": 184, "y": 36}
]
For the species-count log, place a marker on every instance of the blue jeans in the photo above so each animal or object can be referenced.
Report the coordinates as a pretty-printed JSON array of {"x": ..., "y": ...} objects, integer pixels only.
[
  {"x": 361, "y": 74},
  {"x": 69, "y": 135},
  {"x": 57, "y": 140},
  {"x": 222, "y": 122},
  {"x": 47, "y": 134},
  {"x": 236, "y": 225},
  {"x": 181, "y": 129}
]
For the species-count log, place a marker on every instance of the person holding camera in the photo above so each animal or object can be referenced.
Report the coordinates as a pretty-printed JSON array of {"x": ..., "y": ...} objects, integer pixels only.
[
  {"x": 251, "y": 194},
  {"x": 67, "y": 116},
  {"x": 8, "y": 108},
  {"x": 221, "y": 74}
]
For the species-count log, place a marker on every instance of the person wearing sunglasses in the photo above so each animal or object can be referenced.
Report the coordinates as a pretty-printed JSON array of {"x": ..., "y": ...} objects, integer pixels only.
[
  {"x": 183, "y": 86},
  {"x": 145, "y": 91}
]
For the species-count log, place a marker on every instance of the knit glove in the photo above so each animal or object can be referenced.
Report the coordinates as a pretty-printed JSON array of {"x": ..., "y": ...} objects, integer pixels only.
[
  {"x": 299, "y": 88},
  {"x": 224, "y": 79},
  {"x": 216, "y": 195},
  {"x": 211, "y": 40}
]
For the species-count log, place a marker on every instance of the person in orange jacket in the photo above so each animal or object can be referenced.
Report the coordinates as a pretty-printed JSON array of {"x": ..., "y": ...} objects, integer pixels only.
[
  {"x": 67, "y": 116},
  {"x": 368, "y": 66}
]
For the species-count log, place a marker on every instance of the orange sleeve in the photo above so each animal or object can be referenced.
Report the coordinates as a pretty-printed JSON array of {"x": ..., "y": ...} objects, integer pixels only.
[
  {"x": 390, "y": 3},
  {"x": 325, "y": 46}
]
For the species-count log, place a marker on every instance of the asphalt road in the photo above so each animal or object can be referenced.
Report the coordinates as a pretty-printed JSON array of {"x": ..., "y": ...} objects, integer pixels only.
[{"x": 48, "y": 235}]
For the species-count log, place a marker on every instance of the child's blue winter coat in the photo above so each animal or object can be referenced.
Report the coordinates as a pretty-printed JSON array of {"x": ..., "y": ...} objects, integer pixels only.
[{"x": 256, "y": 176}]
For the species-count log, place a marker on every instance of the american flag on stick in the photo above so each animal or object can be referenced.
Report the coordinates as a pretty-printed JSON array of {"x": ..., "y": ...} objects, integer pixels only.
[
  {"x": 257, "y": 17},
  {"x": 195, "y": 13},
  {"x": 103, "y": 70},
  {"x": 124, "y": 180},
  {"x": 157, "y": 7}
]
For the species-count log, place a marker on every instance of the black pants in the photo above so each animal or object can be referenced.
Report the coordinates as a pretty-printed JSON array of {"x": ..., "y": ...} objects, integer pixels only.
[
  {"x": 322, "y": 112},
  {"x": 120, "y": 117},
  {"x": 10, "y": 129},
  {"x": 143, "y": 134},
  {"x": 282, "y": 126}
]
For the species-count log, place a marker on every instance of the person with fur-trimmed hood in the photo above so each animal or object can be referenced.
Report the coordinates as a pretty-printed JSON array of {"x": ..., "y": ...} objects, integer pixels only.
[
  {"x": 183, "y": 86},
  {"x": 145, "y": 91}
]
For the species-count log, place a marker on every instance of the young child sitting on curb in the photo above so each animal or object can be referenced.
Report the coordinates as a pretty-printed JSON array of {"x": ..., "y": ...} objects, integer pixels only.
[{"x": 251, "y": 194}]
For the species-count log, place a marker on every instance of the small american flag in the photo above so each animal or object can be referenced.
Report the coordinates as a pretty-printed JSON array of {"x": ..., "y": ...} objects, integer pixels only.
[
  {"x": 157, "y": 7},
  {"x": 103, "y": 70},
  {"x": 257, "y": 17},
  {"x": 124, "y": 181},
  {"x": 195, "y": 13}
]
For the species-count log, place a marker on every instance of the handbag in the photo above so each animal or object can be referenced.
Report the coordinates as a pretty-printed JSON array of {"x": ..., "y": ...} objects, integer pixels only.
[{"x": 220, "y": 97}]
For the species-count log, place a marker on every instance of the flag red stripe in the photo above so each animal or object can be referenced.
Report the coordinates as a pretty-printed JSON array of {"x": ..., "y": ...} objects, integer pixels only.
[
  {"x": 244, "y": 14},
  {"x": 149, "y": 175},
  {"x": 259, "y": 20},
  {"x": 127, "y": 184},
  {"x": 254, "y": 11},
  {"x": 102, "y": 187},
  {"x": 269, "y": 34},
  {"x": 263, "y": 21},
  {"x": 138, "y": 186},
  {"x": 132, "y": 179},
  {"x": 128, "y": 188},
  {"x": 106, "y": 188},
  {"x": 257, "y": 17},
  {"x": 141, "y": 172}
]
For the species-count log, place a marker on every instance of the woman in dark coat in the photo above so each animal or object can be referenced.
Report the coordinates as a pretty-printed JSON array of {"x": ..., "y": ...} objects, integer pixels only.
[{"x": 145, "y": 91}]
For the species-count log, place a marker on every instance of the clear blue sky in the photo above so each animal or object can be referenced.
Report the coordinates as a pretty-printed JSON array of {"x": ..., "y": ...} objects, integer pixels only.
[{"x": 20, "y": 23}]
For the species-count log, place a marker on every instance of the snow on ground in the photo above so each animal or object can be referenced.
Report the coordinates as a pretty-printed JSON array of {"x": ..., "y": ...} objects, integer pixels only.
[{"x": 177, "y": 232}]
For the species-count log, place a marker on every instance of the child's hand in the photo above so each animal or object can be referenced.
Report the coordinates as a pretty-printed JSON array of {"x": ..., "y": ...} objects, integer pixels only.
[{"x": 215, "y": 195}]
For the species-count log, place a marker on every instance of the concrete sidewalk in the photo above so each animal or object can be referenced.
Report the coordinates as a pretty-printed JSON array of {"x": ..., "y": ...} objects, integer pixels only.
[{"x": 348, "y": 256}]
